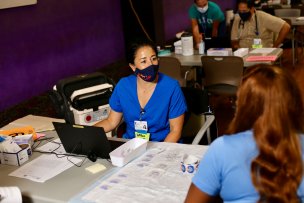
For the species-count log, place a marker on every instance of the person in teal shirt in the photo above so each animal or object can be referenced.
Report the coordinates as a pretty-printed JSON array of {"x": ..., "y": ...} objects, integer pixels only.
[{"x": 207, "y": 20}]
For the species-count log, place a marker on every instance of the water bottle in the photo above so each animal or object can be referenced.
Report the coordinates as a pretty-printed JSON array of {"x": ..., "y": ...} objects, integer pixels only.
[{"x": 201, "y": 47}]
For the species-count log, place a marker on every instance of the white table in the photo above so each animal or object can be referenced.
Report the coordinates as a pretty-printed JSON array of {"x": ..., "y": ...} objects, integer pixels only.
[
  {"x": 71, "y": 184},
  {"x": 195, "y": 60}
]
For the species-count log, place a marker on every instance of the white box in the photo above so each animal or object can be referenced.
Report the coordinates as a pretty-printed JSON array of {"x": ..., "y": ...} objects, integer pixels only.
[
  {"x": 18, "y": 158},
  {"x": 219, "y": 52},
  {"x": 128, "y": 151}
]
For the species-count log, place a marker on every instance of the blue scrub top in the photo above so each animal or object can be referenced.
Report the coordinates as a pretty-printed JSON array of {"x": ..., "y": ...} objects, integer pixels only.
[{"x": 167, "y": 102}]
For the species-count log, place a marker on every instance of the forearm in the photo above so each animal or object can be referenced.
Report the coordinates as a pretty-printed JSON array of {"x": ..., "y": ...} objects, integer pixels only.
[
  {"x": 111, "y": 122},
  {"x": 235, "y": 44},
  {"x": 173, "y": 137},
  {"x": 106, "y": 125},
  {"x": 176, "y": 127},
  {"x": 195, "y": 32},
  {"x": 215, "y": 27},
  {"x": 282, "y": 34}
]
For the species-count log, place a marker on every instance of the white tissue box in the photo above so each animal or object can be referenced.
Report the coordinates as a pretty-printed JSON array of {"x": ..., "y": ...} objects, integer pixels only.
[
  {"x": 219, "y": 52},
  {"x": 18, "y": 158},
  {"x": 128, "y": 151}
]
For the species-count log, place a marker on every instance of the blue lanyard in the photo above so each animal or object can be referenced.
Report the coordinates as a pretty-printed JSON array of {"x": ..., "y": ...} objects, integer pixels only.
[{"x": 256, "y": 24}]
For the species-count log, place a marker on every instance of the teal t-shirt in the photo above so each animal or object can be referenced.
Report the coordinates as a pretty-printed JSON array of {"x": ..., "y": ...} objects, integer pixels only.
[{"x": 214, "y": 12}]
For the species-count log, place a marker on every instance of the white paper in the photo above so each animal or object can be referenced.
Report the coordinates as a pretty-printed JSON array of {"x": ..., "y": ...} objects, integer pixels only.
[
  {"x": 10, "y": 195},
  {"x": 52, "y": 146},
  {"x": 44, "y": 167},
  {"x": 156, "y": 176},
  {"x": 262, "y": 50},
  {"x": 39, "y": 123}
]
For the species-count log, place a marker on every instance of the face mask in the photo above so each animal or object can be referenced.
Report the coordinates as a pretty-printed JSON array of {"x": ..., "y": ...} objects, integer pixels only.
[
  {"x": 203, "y": 10},
  {"x": 245, "y": 16},
  {"x": 148, "y": 74}
]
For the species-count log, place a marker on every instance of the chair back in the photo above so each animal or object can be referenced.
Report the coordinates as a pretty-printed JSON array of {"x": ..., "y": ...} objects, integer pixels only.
[
  {"x": 287, "y": 12},
  {"x": 196, "y": 123},
  {"x": 171, "y": 66},
  {"x": 222, "y": 70}
]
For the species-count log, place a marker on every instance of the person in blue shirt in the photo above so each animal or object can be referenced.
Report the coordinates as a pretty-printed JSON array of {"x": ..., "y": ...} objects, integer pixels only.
[
  {"x": 262, "y": 159},
  {"x": 207, "y": 20},
  {"x": 151, "y": 103}
]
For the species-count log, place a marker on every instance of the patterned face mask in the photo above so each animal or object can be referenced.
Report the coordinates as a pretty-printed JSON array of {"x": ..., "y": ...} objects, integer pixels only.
[{"x": 148, "y": 74}]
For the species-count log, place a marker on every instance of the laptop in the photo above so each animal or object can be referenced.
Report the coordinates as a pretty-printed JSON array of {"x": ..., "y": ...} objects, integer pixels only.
[{"x": 86, "y": 140}]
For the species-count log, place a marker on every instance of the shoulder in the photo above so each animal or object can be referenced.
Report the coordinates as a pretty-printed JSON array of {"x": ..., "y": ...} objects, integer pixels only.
[
  {"x": 130, "y": 78},
  {"x": 234, "y": 142},
  {"x": 167, "y": 80},
  {"x": 269, "y": 20},
  {"x": 193, "y": 12},
  {"x": 126, "y": 81},
  {"x": 212, "y": 4}
]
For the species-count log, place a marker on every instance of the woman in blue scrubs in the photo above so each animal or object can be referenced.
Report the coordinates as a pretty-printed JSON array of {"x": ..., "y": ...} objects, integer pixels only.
[{"x": 151, "y": 103}]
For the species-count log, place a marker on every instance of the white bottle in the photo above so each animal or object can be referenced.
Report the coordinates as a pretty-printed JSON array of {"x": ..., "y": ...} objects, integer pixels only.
[{"x": 201, "y": 47}]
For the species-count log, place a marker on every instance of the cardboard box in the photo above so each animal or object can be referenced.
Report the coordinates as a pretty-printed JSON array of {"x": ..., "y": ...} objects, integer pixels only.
[
  {"x": 18, "y": 158},
  {"x": 128, "y": 151},
  {"x": 219, "y": 52}
]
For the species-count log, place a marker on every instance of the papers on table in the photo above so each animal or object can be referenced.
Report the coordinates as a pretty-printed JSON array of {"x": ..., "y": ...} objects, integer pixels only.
[
  {"x": 261, "y": 54},
  {"x": 54, "y": 146},
  {"x": 262, "y": 50},
  {"x": 44, "y": 167},
  {"x": 261, "y": 58},
  {"x": 157, "y": 173},
  {"x": 300, "y": 18},
  {"x": 10, "y": 195},
  {"x": 39, "y": 123}
]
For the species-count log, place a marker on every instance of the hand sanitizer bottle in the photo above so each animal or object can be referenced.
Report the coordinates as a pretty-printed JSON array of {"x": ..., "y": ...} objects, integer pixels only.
[{"x": 201, "y": 47}]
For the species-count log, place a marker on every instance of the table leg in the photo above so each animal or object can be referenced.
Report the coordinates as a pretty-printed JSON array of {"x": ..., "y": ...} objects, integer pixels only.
[{"x": 293, "y": 46}]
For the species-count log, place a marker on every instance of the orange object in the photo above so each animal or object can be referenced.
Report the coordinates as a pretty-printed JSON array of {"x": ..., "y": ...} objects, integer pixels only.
[{"x": 20, "y": 131}]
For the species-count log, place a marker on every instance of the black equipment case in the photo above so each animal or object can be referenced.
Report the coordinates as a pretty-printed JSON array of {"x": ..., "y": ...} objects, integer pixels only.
[{"x": 83, "y": 99}]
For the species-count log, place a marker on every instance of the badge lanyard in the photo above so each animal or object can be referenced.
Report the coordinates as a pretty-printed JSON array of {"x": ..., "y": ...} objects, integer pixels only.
[
  {"x": 141, "y": 127},
  {"x": 203, "y": 18},
  {"x": 242, "y": 23}
]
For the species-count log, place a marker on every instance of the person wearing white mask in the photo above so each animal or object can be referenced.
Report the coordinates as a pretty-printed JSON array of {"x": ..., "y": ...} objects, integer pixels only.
[{"x": 207, "y": 20}]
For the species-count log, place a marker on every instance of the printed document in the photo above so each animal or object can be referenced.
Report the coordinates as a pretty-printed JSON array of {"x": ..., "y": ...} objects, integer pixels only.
[{"x": 44, "y": 167}]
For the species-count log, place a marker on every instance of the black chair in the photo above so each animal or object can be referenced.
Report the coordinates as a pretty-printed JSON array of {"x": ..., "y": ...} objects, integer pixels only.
[{"x": 199, "y": 125}]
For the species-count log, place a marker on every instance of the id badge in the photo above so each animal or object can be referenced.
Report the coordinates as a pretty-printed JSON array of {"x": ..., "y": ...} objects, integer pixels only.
[
  {"x": 257, "y": 43},
  {"x": 141, "y": 130},
  {"x": 141, "y": 126}
]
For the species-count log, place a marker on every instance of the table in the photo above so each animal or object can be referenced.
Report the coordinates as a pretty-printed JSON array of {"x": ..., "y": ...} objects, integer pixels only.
[
  {"x": 195, "y": 59},
  {"x": 72, "y": 184},
  {"x": 294, "y": 24},
  {"x": 58, "y": 189}
]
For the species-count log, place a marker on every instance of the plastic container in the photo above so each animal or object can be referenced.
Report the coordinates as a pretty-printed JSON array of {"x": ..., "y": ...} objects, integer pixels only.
[
  {"x": 128, "y": 151},
  {"x": 187, "y": 44},
  {"x": 201, "y": 47}
]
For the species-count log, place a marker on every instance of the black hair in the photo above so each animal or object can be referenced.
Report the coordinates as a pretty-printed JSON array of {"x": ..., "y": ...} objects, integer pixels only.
[
  {"x": 135, "y": 45},
  {"x": 249, "y": 3}
]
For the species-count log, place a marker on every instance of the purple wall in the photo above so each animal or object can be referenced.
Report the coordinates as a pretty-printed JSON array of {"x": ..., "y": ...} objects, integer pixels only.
[
  {"x": 176, "y": 15},
  {"x": 43, "y": 43}
]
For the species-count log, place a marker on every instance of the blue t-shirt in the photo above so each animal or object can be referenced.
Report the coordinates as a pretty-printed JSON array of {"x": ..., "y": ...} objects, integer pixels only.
[
  {"x": 205, "y": 20},
  {"x": 167, "y": 102},
  {"x": 225, "y": 169}
]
